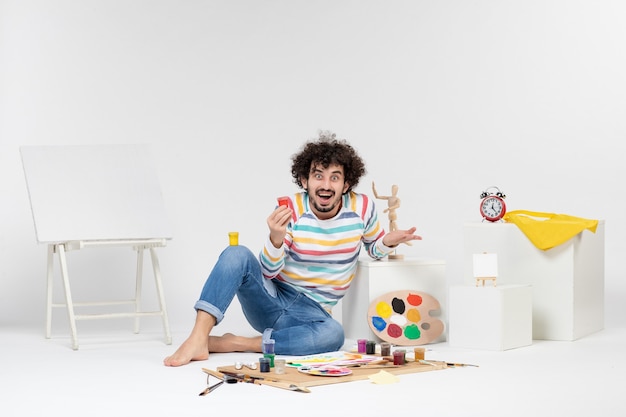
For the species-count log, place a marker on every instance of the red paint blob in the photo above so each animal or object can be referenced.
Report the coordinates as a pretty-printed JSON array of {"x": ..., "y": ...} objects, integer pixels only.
[
  {"x": 414, "y": 299},
  {"x": 393, "y": 330}
]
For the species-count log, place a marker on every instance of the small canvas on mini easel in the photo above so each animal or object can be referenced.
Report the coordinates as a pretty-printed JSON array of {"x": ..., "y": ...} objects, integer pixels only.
[
  {"x": 405, "y": 318},
  {"x": 485, "y": 268}
]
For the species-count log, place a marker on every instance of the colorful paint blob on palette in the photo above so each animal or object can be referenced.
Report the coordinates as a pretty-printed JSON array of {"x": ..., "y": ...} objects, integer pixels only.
[
  {"x": 405, "y": 317},
  {"x": 325, "y": 370}
]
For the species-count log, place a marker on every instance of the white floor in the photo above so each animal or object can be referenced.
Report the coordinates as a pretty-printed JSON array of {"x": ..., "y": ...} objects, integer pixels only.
[{"x": 120, "y": 373}]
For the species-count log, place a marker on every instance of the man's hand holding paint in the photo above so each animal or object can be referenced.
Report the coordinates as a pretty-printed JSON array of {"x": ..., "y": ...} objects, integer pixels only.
[{"x": 278, "y": 221}]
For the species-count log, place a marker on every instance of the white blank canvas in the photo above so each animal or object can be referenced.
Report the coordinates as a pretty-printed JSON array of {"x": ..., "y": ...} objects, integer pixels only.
[
  {"x": 94, "y": 192},
  {"x": 485, "y": 265}
]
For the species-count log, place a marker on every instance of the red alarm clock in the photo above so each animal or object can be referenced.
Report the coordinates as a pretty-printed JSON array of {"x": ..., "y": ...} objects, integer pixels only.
[{"x": 492, "y": 206}]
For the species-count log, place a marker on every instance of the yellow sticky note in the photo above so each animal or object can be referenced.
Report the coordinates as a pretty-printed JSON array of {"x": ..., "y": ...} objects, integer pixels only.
[{"x": 383, "y": 377}]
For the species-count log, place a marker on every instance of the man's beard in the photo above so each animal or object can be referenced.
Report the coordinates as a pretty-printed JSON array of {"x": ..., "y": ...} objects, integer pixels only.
[{"x": 324, "y": 209}]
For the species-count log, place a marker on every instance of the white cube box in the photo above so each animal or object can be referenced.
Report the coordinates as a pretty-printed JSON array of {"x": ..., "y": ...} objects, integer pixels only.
[
  {"x": 490, "y": 318},
  {"x": 567, "y": 280},
  {"x": 378, "y": 277}
]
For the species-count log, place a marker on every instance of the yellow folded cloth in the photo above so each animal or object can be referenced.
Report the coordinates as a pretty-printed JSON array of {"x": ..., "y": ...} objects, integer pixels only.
[
  {"x": 547, "y": 230},
  {"x": 383, "y": 377}
]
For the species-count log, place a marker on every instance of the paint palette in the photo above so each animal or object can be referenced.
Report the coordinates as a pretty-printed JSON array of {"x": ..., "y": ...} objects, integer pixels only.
[
  {"x": 338, "y": 358},
  {"x": 325, "y": 370},
  {"x": 405, "y": 318}
]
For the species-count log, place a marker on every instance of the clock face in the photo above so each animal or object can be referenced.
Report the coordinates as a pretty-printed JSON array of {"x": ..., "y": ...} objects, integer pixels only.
[{"x": 492, "y": 208}]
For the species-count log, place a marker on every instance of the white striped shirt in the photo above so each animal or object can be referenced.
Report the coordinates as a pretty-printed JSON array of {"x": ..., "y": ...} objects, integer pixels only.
[{"x": 319, "y": 257}]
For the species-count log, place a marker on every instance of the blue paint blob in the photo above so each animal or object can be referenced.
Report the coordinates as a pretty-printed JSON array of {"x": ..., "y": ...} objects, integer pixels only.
[{"x": 379, "y": 323}]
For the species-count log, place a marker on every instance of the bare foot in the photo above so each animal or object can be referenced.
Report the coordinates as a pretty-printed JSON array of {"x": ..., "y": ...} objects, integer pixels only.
[
  {"x": 229, "y": 342},
  {"x": 192, "y": 349},
  {"x": 196, "y": 348}
]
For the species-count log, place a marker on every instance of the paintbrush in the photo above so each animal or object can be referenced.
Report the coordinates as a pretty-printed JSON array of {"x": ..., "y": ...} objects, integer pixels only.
[
  {"x": 382, "y": 363},
  {"x": 262, "y": 381},
  {"x": 458, "y": 365}
]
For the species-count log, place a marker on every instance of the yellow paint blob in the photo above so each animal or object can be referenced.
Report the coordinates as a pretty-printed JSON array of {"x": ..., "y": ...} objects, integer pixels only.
[
  {"x": 383, "y": 309},
  {"x": 413, "y": 315}
]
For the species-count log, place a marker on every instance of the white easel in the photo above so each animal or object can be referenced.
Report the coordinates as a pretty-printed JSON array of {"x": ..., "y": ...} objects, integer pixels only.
[{"x": 96, "y": 196}]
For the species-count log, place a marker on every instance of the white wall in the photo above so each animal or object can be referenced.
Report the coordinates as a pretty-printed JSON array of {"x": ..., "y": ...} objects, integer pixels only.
[{"x": 443, "y": 98}]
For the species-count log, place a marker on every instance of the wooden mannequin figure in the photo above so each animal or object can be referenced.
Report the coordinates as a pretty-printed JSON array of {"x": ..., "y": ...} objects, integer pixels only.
[{"x": 393, "y": 203}]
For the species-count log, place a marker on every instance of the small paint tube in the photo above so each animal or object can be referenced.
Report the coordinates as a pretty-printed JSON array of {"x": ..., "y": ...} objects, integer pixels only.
[
  {"x": 249, "y": 365},
  {"x": 361, "y": 345},
  {"x": 264, "y": 364},
  {"x": 269, "y": 356},
  {"x": 279, "y": 366},
  {"x": 399, "y": 357},
  {"x": 268, "y": 346},
  {"x": 419, "y": 352},
  {"x": 283, "y": 201}
]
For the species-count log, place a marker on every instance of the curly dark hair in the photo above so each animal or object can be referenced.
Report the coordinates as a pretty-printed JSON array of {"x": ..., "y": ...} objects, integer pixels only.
[{"x": 324, "y": 151}]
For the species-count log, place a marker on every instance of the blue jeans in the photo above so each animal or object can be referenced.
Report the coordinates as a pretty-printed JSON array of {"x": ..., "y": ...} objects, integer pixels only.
[{"x": 298, "y": 325}]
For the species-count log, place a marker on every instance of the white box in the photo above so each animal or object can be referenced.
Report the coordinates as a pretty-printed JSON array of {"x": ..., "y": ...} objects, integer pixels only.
[
  {"x": 375, "y": 278},
  {"x": 567, "y": 281},
  {"x": 491, "y": 318}
]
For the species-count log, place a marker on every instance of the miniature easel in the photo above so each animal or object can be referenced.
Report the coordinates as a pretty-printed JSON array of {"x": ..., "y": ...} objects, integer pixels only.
[
  {"x": 485, "y": 268},
  {"x": 96, "y": 196},
  {"x": 393, "y": 203}
]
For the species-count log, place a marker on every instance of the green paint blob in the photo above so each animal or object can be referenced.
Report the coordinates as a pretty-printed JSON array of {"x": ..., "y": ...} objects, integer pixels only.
[{"x": 412, "y": 332}]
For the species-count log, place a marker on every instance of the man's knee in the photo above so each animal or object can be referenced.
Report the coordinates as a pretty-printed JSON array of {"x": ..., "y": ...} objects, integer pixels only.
[
  {"x": 238, "y": 251},
  {"x": 333, "y": 338}
]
